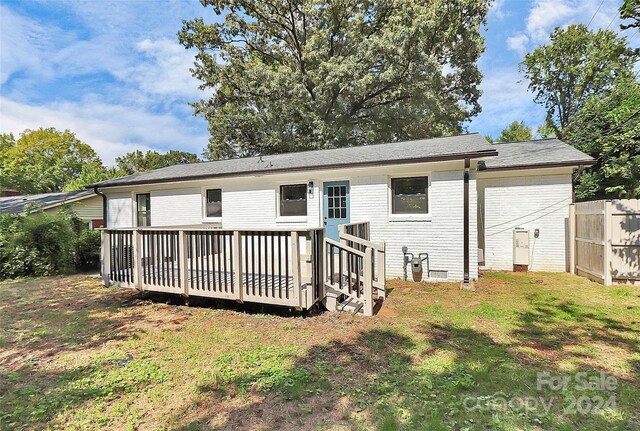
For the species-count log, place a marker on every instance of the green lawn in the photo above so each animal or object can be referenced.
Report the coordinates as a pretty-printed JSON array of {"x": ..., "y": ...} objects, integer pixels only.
[{"x": 74, "y": 355}]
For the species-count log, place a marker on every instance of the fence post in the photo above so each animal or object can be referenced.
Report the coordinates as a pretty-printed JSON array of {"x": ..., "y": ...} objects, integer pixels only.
[
  {"x": 237, "y": 265},
  {"x": 106, "y": 256},
  {"x": 608, "y": 219},
  {"x": 184, "y": 271},
  {"x": 368, "y": 278},
  {"x": 137, "y": 259},
  {"x": 572, "y": 238}
]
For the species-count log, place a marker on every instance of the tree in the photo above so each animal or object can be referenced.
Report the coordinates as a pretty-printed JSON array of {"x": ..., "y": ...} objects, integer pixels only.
[
  {"x": 576, "y": 64},
  {"x": 516, "y": 131},
  {"x": 92, "y": 173},
  {"x": 137, "y": 161},
  {"x": 608, "y": 129},
  {"x": 630, "y": 9},
  {"x": 545, "y": 131},
  {"x": 43, "y": 160},
  {"x": 302, "y": 74}
]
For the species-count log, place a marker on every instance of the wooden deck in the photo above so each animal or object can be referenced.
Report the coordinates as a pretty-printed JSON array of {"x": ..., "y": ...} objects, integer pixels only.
[{"x": 279, "y": 267}]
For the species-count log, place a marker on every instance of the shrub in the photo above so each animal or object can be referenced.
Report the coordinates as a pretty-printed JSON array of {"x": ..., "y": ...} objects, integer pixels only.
[
  {"x": 40, "y": 244},
  {"x": 36, "y": 244},
  {"x": 88, "y": 250}
]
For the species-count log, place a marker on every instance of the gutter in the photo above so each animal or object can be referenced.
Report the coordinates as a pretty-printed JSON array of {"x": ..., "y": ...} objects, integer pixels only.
[
  {"x": 574, "y": 163},
  {"x": 466, "y": 279},
  {"x": 104, "y": 205},
  {"x": 450, "y": 157}
]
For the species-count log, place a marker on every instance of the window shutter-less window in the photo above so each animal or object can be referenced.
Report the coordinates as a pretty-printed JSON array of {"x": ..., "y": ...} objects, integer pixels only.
[
  {"x": 293, "y": 200},
  {"x": 409, "y": 195}
]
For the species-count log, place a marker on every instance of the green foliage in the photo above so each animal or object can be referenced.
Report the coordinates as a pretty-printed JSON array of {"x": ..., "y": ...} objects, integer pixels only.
[
  {"x": 137, "y": 161},
  {"x": 514, "y": 132},
  {"x": 92, "y": 173},
  {"x": 88, "y": 250},
  {"x": 36, "y": 244},
  {"x": 43, "y": 160},
  {"x": 311, "y": 74},
  {"x": 608, "y": 129},
  {"x": 576, "y": 64},
  {"x": 40, "y": 244},
  {"x": 545, "y": 131},
  {"x": 47, "y": 160},
  {"x": 630, "y": 10}
]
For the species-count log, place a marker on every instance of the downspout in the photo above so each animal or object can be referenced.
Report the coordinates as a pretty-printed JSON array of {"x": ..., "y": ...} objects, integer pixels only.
[
  {"x": 466, "y": 277},
  {"x": 104, "y": 205}
]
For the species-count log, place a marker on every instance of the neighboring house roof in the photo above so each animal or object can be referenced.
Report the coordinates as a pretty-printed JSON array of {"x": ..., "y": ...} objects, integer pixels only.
[
  {"x": 535, "y": 154},
  {"x": 17, "y": 204},
  {"x": 424, "y": 150}
]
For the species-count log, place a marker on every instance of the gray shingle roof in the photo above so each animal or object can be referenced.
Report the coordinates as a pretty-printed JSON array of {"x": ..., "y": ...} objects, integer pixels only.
[
  {"x": 17, "y": 204},
  {"x": 447, "y": 148},
  {"x": 541, "y": 152}
]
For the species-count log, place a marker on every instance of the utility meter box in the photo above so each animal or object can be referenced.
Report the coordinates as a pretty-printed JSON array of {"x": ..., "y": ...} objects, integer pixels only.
[{"x": 520, "y": 249}]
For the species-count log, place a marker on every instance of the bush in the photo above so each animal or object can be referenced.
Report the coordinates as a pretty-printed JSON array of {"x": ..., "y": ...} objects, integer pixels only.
[
  {"x": 88, "y": 250},
  {"x": 40, "y": 244}
]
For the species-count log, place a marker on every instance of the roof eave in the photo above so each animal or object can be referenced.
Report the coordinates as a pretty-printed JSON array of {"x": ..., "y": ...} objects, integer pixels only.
[
  {"x": 572, "y": 163},
  {"x": 443, "y": 158}
]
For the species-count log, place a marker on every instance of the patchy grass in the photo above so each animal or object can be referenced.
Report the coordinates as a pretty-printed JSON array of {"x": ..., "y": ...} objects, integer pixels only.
[{"x": 74, "y": 355}]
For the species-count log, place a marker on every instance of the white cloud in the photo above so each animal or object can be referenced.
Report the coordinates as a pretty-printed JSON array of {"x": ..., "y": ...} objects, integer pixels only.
[
  {"x": 22, "y": 41},
  {"x": 112, "y": 130},
  {"x": 545, "y": 15},
  {"x": 165, "y": 71},
  {"x": 145, "y": 102},
  {"x": 518, "y": 43},
  {"x": 505, "y": 98},
  {"x": 497, "y": 9}
]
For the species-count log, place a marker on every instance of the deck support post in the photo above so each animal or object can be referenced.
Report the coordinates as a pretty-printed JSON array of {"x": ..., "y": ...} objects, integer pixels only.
[
  {"x": 184, "y": 271},
  {"x": 137, "y": 260},
  {"x": 368, "y": 282},
  {"x": 237, "y": 266},
  {"x": 295, "y": 267},
  {"x": 105, "y": 250},
  {"x": 382, "y": 272}
]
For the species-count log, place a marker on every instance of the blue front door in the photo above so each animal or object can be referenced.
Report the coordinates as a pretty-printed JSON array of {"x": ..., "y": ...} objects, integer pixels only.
[{"x": 336, "y": 207}]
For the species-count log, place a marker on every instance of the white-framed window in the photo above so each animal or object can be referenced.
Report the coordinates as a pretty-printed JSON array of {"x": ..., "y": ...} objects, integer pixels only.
[
  {"x": 410, "y": 196},
  {"x": 143, "y": 209},
  {"x": 213, "y": 203},
  {"x": 292, "y": 200}
]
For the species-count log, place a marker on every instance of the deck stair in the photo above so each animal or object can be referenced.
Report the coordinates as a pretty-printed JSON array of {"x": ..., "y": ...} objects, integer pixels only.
[{"x": 355, "y": 272}]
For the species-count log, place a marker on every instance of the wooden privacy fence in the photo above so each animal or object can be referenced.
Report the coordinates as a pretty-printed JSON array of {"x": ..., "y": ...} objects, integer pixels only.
[
  {"x": 605, "y": 241},
  {"x": 273, "y": 267}
]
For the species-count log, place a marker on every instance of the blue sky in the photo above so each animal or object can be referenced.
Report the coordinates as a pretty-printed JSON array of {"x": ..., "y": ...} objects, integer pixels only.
[{"x": 114, "y": 73}]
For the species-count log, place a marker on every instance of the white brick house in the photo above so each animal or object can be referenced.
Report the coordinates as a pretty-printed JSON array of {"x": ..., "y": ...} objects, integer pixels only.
[{"x": 411, "y": 193}]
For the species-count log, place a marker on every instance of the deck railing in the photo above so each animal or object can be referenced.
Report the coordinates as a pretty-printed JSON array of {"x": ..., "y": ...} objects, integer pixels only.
[
  {"x": 295, "y": 268},
  {"x": 357, "y": 235},
  {"x": 355, "y": 267},
  {"x": 280, "y": 267}
]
